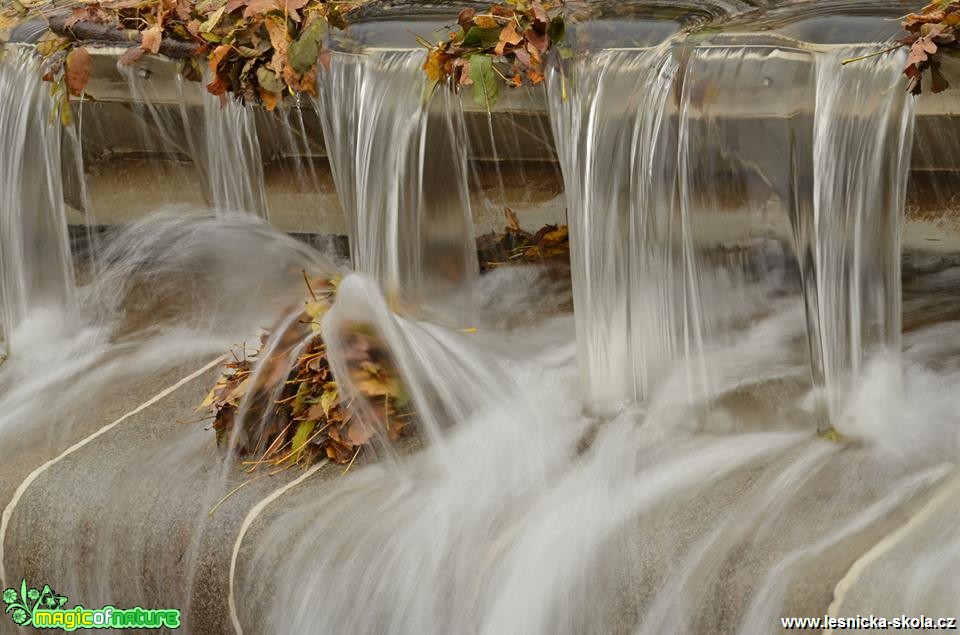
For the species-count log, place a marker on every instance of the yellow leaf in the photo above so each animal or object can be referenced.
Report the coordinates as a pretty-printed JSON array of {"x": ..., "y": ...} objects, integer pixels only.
[
  {"x": 212, "y": 21},
  {"x": 434, "y": 65},
  {"x": 208, "y": 400},
  {"x": 328, "y": 400},
  {"x": 316, "y": 311},
  {"x": 300, "y": 439}
]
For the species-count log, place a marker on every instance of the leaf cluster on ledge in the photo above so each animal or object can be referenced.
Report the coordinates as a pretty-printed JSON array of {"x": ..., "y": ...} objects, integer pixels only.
[
  {"x": 300, "y": 414},
  {"x": 257, "y": 50},
  {"x": 294, "y": 409},
  {"x": 507, "y": 43},
  {"x": 930, "y": 33}
]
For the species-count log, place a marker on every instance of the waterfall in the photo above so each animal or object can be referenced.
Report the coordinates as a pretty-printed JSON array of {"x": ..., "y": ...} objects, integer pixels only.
[
  {"x": 862, "y": 138},
  {"x": 229, "y": 157},
  {"x": 682, "y": 207},
  {"x": 614, "y": 124},
  {"x": 399, "y": 160},
  {"x": 219, "y": 137},
  {"x": 36, "y": 268}
]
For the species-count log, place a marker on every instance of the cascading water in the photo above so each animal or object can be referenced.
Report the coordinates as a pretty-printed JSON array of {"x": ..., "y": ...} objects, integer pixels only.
[
  {"x": 656, "y": 189},
  {"x": 863, "y": 136},
  {"x": 615, "y": 130},
  {"x": 398, "y": 155},
  {"x": 218, "y": 136},
  {"x": 230, "y": 157},
  {"x": 705, "y": 504},
  {"x": 36, "y": 267}
]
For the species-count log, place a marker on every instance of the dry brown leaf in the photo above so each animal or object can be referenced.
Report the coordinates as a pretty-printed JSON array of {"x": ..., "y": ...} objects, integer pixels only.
[{"x": 78, "y": 70}]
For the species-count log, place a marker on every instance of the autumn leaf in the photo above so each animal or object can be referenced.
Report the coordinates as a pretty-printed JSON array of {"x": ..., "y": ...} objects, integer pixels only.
[
  {"x": 280, "y": 40},
  {"x": 508, "y": 36},
  {"x": 256, "y": 7},
  {"x": 269, "y": 99},
  {"x": 305, "y": 50},
  {"x": 486, "y": 22},
  {"x": 219, "y": 54},
  {"x": 434, "y": 65},
  {"x": 480, "y": 38},
  {"x": 329, "y": 399},
  {"x": 210, "y": 23},
  {"x": 300, "y": 439},
  {"x": 465, "y": 19},
  {"x": 485, "y": 86},
  {"x": 78, "y": 70},
  {"x": 151, "y": 39},
  {"x": 218, "y": 86},
  {"x": 269, "y": 81},
  {"x": 131, "y": 56},
  {"x": 358, "y": 434}
]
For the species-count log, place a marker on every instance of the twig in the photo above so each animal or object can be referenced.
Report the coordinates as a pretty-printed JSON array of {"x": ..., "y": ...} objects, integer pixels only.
[
  {"x": 355, "y": 454},
  {"x": 866, "y": 57}
]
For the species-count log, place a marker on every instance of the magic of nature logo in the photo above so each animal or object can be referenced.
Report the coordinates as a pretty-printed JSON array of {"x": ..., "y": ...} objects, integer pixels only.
[{"x": 44, "y": 609}]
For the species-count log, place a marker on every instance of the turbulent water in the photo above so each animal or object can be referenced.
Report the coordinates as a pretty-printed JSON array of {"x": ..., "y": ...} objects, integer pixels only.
[
  {"x": 647, "y": 463},
  {"x": 36, "y": 268}
]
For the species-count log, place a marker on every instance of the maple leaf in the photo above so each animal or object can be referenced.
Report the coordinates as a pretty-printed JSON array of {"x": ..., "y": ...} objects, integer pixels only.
[{"x": 508, "y": 36}]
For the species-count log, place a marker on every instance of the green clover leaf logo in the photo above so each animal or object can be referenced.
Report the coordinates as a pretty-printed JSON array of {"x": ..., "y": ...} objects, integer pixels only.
[
  {"x": 50, "y": 600},
  {"x": 23, "y": 604}
]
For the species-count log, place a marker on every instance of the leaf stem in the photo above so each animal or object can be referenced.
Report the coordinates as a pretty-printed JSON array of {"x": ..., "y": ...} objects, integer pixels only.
[{"x": 866, "y": 57}]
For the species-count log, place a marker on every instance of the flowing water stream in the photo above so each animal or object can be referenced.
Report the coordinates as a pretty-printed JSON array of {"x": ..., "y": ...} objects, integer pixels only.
[
  {"x": 646, "y": 463},
  {"x": 36, "y": 268}
]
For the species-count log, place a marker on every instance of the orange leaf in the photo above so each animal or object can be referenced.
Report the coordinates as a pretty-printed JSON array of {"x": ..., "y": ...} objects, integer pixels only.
[
  {"x": 269, "y": 99},
  {"x": 78, "y": 70},
  {"x": 151, "y": 39},
  {"x": 218, "y": 86},
  {"x": 218, "y": 56}
]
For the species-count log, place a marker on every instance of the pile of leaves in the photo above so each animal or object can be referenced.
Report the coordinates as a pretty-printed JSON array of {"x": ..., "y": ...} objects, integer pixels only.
[
  {"x": 550, "y": 245},
  {"x": 930, "y": 33},
  {"x": 296, "y": 413},
  {"x": 256, "y": 50},
  {"x": 507, "y": 43}
]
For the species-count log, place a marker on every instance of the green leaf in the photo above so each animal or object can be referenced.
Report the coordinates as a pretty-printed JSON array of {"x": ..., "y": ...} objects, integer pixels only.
[
  {"x": 481, "y": 38},
  {"x": 305, "y": 50},
  {"x": 300, "y": 438},
  {"x": 486, "y": 89},
  {"x": 213, "y": 20},
  {"x": 269, "y": 80},
  {"x": 328, "y": 400},
  {"x": 303, "y": 391}
]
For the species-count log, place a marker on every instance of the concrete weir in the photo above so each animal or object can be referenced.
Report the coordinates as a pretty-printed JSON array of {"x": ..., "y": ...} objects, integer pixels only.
[{"x": 750, "y": 415}]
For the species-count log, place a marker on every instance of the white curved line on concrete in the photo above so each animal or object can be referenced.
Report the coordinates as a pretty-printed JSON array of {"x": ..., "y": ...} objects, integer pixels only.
[
  {"x": 247, "y": 522},
  {"x": 34, "y": 475},
  {"x": 886, "y": 544}
]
